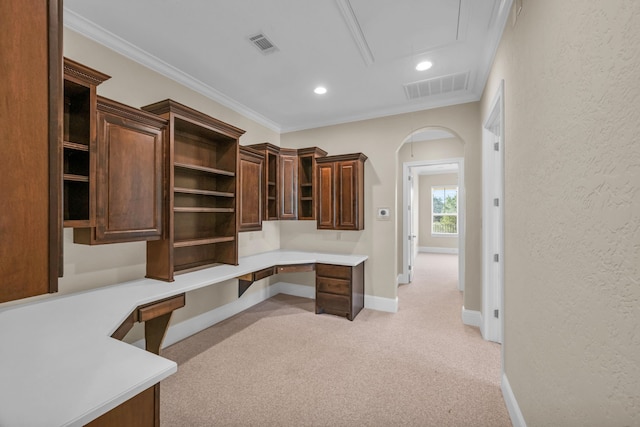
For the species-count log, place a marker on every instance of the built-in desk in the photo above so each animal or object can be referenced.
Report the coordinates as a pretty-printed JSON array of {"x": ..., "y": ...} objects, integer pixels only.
[{"x": 59, "y": 364}]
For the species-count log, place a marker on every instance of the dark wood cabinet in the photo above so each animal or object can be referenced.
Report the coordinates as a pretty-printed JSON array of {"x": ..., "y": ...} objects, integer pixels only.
[
  {"x": 142, "y": 410},
  {"x": 251, "y": 188},
  {"x": 270, "y": 190},
  {"x": 340, "y": 183},
  {"x": 79, "y": 144},
  {"x": 129, "y": 176},
  {"x": 288, "y": 184},
  {"x": 307, "y": 191},
  {"x": 340, "y": 289},
  {"x": 201, "y": 186},
  {"x": 31, "y": 122}
]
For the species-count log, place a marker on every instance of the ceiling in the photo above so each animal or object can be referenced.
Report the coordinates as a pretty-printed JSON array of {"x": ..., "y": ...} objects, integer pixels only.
[{"x": 363, "y": 51}]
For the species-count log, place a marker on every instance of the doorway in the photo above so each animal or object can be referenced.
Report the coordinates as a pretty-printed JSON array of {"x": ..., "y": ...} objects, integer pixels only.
[{"x": 410, "y": 172}]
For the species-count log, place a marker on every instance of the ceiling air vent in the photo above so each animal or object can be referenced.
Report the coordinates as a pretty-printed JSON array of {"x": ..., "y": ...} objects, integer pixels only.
[
  {"x": 263, "y": 44},
  {"x": 437, "y": 86}
]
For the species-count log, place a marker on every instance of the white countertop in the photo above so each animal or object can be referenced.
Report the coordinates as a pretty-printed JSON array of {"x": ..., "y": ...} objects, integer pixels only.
[{"x": 59, "y": 365}]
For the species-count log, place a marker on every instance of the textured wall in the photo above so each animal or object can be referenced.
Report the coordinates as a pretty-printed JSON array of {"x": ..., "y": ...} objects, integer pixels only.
[{"x": 572, "y": 210}]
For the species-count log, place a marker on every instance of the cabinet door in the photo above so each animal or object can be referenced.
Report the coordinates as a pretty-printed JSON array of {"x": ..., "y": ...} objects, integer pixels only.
[
  {"x": 347, "y": 195},
  {"x": 30, "y": 60},
  {"x": 326, "y": 196},
  {"x": 250, "y": 191},
  {"x": 288, "y": 178},
  {"x": 129, "y": 181}
]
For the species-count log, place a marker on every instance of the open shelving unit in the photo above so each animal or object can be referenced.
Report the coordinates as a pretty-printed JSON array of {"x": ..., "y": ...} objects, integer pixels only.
[
  {"x": 78, "y": 145},
  {"x": 307, "y": 192},
  {"x": 202, "y": 164}
]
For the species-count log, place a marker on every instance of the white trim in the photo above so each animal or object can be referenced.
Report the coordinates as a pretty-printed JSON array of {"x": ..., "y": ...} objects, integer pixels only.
[
  {"x": 294, "y": 289},
  {"x": 493, "y": 218},
  {"x": 89, "y": 29},
  {"x": 517, "y": 419},
  {"x": 471, "y": 317},
  {"x": 354, "y": 27},
  {"x": 434, "y": 250},
  {"x": 401, "y": 279},
  {"x": 389, "y": 305},
  {"x": 199, "y": 323}
]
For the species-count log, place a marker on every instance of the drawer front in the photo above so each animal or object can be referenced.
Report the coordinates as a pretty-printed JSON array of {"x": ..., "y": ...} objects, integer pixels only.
[
  {"x": 338, "y": 304},
  {"x": 295, "y": 268},
  {"x": 159, "y": 308},
  {"x": 335, "y": 271},
  {"x": 333, "y": 286},
  {"x": 263, "y": 273}
]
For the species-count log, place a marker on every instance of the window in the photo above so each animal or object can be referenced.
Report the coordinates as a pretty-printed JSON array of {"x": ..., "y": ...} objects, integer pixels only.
[{"x": 444, "y": 210}]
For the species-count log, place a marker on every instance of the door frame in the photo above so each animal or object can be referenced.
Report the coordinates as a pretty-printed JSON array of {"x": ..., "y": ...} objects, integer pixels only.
[
  {"x": 493, "y": 220},
  {"x": 406, "y": 215}
]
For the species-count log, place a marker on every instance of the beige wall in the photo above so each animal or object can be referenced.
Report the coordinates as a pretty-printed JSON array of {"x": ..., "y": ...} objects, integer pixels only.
[
  {"x": 381, "y": 139},
  {"x": 425, "y": 238},
  {"x": 88, "y": 267},
  {"x": 572, "y": 209}
]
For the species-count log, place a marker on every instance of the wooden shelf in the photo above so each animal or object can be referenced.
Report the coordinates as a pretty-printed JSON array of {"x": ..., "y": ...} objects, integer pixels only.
[
  {"x": 203, "y": 192},
  {"x": 202, "y": 207},
  {"x": 75, "y": 178},
  {"x": 203, "y": 210},
  {"x": 199, "y": 242},
  {"x": 75, "y": 146},
  {"x": 204, "y": 169}
]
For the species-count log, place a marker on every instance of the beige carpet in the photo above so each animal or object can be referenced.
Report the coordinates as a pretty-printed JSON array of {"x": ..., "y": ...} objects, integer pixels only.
[{"x": 279, "y": 364}]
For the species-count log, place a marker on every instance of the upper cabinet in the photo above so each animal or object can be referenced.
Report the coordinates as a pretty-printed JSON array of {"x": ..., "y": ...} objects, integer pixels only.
[
  {"x": 288, "y": 184},
  {"x": 251, "y": 188},
  {"x": 270, "y": 190},
  {"x": 341, "y": 192},
  {"x": 307, "y": 191},
  {"x": 31, "y": 122},
  {"x": 79, "y": 144},
  {"x": 128, "y": 189},
  {"x": 202, "y": 184}
]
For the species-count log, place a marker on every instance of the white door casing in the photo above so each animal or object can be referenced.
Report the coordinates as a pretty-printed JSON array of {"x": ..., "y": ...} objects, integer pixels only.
[
  {"x": 493, "y": 220},
  {"x": 406, "y": 216}
]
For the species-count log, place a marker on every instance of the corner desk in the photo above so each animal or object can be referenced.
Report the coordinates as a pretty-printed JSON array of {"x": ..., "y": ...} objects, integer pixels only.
[{"x": 62, "y": 362}]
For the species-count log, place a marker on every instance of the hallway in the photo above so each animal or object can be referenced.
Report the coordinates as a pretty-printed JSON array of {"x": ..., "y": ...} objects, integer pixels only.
[{"x": 279, "y": 364}]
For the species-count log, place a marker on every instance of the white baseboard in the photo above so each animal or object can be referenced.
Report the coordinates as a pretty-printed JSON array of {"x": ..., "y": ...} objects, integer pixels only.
[
  {"x": 434, "y": 250},
  {"x": 402, "y": 278},
  {"x": 192, "y": 326},
  {"x": 381, "y": 304},
  {"x": 471, "y": 317},
  {"x": 512, "y": 404},
  {"x": 294, "y": 289}
]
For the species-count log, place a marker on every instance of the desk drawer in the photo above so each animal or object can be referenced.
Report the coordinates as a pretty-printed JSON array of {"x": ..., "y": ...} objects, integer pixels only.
[
  {"x": 335, "y": 304},
  {"x": 293, "y": 268},
  {"x": 333, "y": 286},
  {"x": 159, "y": 308},
  {"x": 258, "y": 275},
  {"x": 336, "y": 271}
]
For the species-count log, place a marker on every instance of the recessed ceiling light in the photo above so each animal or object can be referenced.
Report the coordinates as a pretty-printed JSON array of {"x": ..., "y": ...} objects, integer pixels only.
[
  {"x": 424, "y": 65},
  {"x": 320, "y": 90}
]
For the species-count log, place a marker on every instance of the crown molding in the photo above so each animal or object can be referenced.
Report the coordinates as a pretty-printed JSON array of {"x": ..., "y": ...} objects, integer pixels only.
[
  {"x": 87, "y": 28},
  {"x": 462, "y": 98}
]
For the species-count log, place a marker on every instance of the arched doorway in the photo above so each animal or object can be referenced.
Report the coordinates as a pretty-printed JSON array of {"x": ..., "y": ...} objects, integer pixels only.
[{"x": 433, "y": 150}]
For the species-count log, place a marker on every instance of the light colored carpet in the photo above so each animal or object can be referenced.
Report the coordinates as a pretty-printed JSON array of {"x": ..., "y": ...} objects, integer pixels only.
[{"x": 279, "y": 364}]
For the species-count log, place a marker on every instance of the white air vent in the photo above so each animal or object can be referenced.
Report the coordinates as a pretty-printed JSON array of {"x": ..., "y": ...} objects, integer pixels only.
[
  {"x": 263, "y": 44},
  {"x": 437, "y": 86}
]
